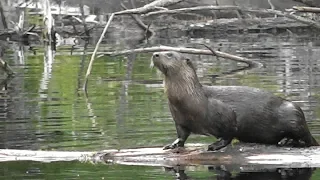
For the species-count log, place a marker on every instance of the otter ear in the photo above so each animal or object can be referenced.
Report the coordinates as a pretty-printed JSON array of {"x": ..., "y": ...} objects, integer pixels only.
[{"x": 189, "y": 62}]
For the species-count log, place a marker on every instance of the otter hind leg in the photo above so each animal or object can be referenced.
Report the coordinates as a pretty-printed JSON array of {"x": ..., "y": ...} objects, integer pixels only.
[
  {"x": 293, "y": 122},
  {"x": 301, "y": 136},
  {"x": 219, "y": 144},
  {"x": 308, "y": 140},
  {"x": 289, "y": 142},
  {"x": 183, "y": 135},
  {"x": 298, "y": 137}
]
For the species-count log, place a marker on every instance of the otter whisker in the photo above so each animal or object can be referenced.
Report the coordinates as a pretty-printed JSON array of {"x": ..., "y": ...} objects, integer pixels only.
[{"x": 151, "y": 64}]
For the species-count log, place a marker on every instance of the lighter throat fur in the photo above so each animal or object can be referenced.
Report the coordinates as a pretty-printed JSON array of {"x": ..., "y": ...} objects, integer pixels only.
[{"x": 188, "y": 85}]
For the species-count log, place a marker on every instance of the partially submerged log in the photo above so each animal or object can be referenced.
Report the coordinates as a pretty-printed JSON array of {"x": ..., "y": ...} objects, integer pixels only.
[
  {"x": 238, "y": 8},
  {"x": 235, "y": 26},
  {"x": 314, "y": 3},
  {"x": 306, "y": 9},
  {"x": 244, "y": 155}
]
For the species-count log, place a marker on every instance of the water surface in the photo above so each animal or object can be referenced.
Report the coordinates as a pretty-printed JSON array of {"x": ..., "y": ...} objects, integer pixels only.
[{"x": 44, "y": 108}]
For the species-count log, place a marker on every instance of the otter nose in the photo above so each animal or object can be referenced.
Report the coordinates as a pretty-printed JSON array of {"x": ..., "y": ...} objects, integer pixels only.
[{"x": 156, "y": 55}]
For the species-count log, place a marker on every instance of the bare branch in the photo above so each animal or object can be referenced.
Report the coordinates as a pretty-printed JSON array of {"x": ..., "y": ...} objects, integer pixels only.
[
  {"x": 155, "y": 5},
  {"x": 95, "y": 51},
  {"x": 197, "y": 8},
  {"x": 139, "y": 21},
  {"x": 186, "y": 50}
]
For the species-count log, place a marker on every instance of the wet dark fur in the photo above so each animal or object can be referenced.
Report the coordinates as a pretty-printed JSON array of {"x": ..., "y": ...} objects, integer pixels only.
[{"x": 261, "y": 117}]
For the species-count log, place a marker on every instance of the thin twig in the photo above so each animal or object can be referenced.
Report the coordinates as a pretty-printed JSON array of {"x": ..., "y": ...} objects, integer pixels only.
[
  {"x": 197, "y": 8},
  {"x": 272, "y": 7},
  {"x": 186, "y": 50},
  {"x": 264, "y": 11},
  {"x": 139, "y": 22},
  {"x": 95, "y": 51},
  {"x": 155, "y": 5}
]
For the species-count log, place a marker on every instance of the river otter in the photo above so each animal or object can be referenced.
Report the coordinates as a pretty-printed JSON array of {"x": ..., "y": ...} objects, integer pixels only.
[{"x": 261, "y": 117}]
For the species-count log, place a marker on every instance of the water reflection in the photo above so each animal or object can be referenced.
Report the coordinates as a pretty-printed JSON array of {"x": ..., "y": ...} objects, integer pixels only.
[{"x": 221, "y": 173}]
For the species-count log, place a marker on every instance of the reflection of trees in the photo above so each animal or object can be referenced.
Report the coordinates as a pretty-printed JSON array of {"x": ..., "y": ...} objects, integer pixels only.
[
  {"x": 297, "y": 74},
  {"x": 16, "y": 129},
  {"x": 122, "y": 109}
]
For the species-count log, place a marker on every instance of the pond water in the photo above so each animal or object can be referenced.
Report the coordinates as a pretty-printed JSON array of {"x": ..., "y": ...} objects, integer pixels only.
[{"x": 44, "y": 108}]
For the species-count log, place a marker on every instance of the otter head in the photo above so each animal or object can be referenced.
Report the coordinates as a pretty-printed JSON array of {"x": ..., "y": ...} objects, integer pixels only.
[
  {"x": 180, "y": 80},
  {"x": 172, "y": 63}
]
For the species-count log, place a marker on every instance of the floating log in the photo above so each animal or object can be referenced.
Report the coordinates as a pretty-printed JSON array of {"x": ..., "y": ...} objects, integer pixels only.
[
  {"x": 244, "y": 155},
  {"x": 236, "y": 26}
]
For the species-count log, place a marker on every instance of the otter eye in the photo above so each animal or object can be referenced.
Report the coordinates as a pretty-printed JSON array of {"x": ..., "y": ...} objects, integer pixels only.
[{"x": 169, "y": 55}]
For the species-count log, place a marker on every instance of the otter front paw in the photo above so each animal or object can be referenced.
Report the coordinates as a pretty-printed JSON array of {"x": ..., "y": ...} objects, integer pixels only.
[
  {"x": 174, "y": 148},
  {"x": 212, "y": 147},
  {"x": 177, "y": 143},
  {"x": 170, "y": 146}
]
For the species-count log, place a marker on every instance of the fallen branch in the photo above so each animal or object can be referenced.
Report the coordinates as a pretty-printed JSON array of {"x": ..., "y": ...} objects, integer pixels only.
[
  {"x": 306, "y": 9},
  {"x": 185, "y": 50},
  {"x": 197, "y": 8},
  {"x": 95, "y": 51},
  {"x": 155, "y": 5},
  {"x": 264, "y": 11}
]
